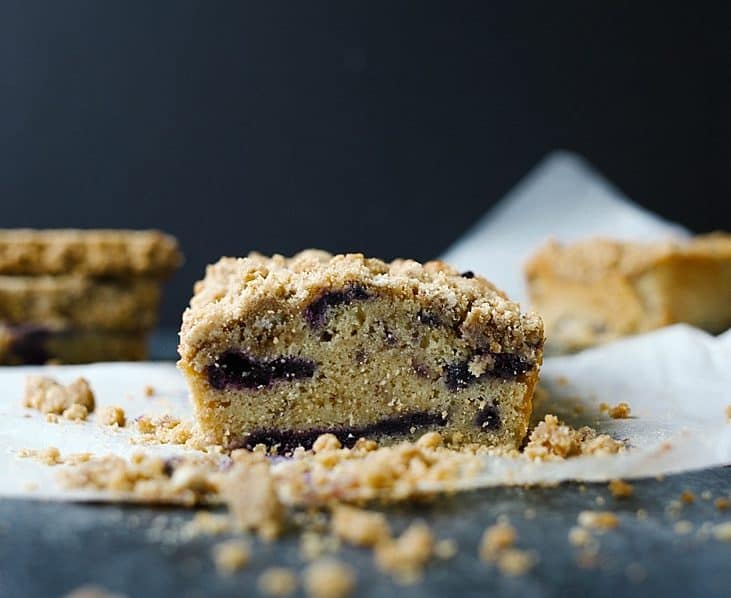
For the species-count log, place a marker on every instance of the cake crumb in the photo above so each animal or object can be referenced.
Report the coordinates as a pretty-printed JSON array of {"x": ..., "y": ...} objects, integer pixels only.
[
  {"x": 620, "y": 489},
  {"x": 277, "y": 581},
  {"x": 406, "y": 556},
  {"x": 553, "y": 439},
  {"x": 250, "y": 493},
  {"x": 328, "y": 578},
  {"x": 205, "y": 523},
  {"x": 722, "y": 503},
  {"x": 514, "y": 562},
  {"x": 326, "y": 442},
  {"x": 722, "y": 531},
  {"x": 579, "y": 536},
  {"x": 495, "y": 539},
  {"x": 231, "y": 556},
  {"x": 687, "y": 497},
  {"x": 620, "y": 411},
  {"x": 445, "y": 549},
  {"x": 48, "y": 456},
  {"x": 314, "y": 545},
  {"x": 46, "y": 395},
  {"x": 112, "y": 416},
  {"x": 148, "y": 390},
  {"x": 683, "y": 528},
  {"x": 76, "y": 412},
  {"x": 359, "y": 527},
  {"x": 599, "y": 520}
]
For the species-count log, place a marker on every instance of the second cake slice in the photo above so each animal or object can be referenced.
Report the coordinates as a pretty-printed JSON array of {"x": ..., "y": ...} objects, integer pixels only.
[{"x": 279, "y": 351}]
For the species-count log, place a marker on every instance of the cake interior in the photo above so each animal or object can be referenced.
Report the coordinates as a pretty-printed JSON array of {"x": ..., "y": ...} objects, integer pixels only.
[{"x": 356, "y": 362}]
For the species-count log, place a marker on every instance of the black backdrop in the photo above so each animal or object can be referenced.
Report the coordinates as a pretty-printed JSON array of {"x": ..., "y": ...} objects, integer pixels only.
[{"x": 383, "y": 127}]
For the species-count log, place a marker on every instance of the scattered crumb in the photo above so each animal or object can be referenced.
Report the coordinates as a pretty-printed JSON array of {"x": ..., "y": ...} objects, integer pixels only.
[
  {"x": 231, "y": 556},
  {"x": 168, "y": 429},
  {"x": 683, "y": 528},
  {"x": 250, "y": 493},
  {"x": 619, "y": 411},
  {"x": 722, "y": 503},
  {"x": 406, "y": 556},
  {"x": 360, "y": 527},
  {"x": 513, "y": 561},
  {"x": 579, "y": 536},
  {"x": 496, "y": 538},
  {"x": 48, "y": 396},
  {"x": 599, "y": 520},
  {"x": 641, "y": 514},
  {"x": 52, "y": 418},
  {"x": 47, "y": 456},
  {"x": 620, "y": 489},
  {"x": 552, "y": 439},
  {"x": 277, "y": 581},
  {"x": 603, "y": 407},
  {"x": 326, "y": 442},
  {"x": 185, "y": 480},
  {"x": 728, "y": 413},
  {"x": 722, "y": 531},
  {"x": 314, "y": 545},
  {"x": 205, "y": 523},
  {"x": 328, "y": 578},
  {"x": 706, "y": 495},
  {"x": 687, "y": 497},
  {"x": 600, "y": 501},
  {"x": 111, "y": 416},
  {"x": 445, "y": 549},
  {"x": 148, "y": 390},
  {"x": 76, "y": 412},
  {"x": 529, "y": 514},
  {"x": 562, "y": 381}
]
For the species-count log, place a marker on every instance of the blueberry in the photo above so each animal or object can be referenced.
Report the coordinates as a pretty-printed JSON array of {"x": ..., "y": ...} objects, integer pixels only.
[
  {"x": 316, "y": 312},
  {"x": 488, "y": 418},
  {"x": 468, "y": 274},
  {"x": 238, "y": 370}
]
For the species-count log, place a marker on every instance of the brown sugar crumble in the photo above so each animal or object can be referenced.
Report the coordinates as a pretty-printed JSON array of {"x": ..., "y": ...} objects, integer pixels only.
[
  {"x": 598, "y": 520},
  {"x": 277, "y": 581},
  {"x": 406, "y": 556},
  {"x": 73, "y": 401},
  {"x": 552, "y": 439},
  {"x": 620, "y": 489},
  {"x": 619, "y": 411},
  {"x": 359, "y": 527},
  {"x": 231, "y": 556},
  {"x": 111, "y": 416},
  {"x": 328, "y": 578},
  {"x": 687, "y": 497}
]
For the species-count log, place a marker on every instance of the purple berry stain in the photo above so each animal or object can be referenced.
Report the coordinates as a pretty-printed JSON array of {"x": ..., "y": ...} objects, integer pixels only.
[
  {"x": 316, "y": 312},
  {"x": 237, "y": 370}
]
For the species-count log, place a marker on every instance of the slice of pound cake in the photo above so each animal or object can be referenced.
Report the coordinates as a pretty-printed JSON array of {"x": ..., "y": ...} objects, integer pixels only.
[{"x": 278, "y": 351}]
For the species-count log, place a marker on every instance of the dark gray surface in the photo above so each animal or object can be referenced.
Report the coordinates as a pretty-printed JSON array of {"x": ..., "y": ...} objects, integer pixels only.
[{"x": 47, "y": 549}]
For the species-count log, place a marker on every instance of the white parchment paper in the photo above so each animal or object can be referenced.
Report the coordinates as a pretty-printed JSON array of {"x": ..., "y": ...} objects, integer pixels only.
[{"x": 676, "y": 380}]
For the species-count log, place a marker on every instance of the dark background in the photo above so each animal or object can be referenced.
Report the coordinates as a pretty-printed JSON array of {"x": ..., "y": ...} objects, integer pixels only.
[{"x": 382, "y": 127}]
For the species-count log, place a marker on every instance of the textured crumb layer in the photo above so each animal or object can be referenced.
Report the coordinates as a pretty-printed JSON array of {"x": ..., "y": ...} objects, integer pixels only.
[
  {"x": 80, "y": 302},
  {"x": 597, "y": 290},
  {"x": 279, "y": 351},
  {"x": 25, "y": 345},
  {"x": 93, "y": 252}
]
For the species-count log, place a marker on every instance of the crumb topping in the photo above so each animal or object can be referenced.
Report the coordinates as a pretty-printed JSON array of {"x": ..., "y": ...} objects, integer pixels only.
[
  {"x": 111, "y": 415},
  {"x": 73, "y": 401},
  {"x": 231, "y": 556},
  {"x": 552, "y": 439},
  {"x": 329, "y": 578},
  {"x": 236, "y": 287}
]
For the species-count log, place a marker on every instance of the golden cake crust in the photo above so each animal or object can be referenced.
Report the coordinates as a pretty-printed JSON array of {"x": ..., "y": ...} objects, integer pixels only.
[{"x": 93, "y": 252}]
